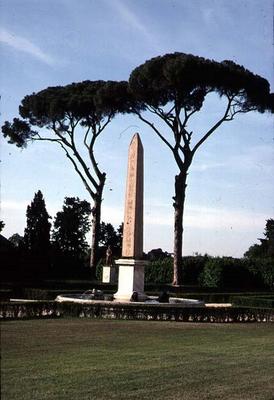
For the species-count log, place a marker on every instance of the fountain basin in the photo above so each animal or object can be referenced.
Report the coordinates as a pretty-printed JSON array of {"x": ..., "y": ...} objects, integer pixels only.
[
  {"x": 174, "y": 310},
  {"x": 151, "y": 301}
]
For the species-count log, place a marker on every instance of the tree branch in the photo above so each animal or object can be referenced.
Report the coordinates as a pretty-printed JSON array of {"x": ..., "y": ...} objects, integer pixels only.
[
  {"x": 104, "y": 125},
  {"x": 91, "y": 192},
  {"x": 39, "y": 138},
  {"x": 76, "y": 153},
  {"x": 187, "y": 116},
  {"x": 224, "y": 118},
  {"x": 91, "y": 155},
  {"x": 86, "y": 137},
  {"x": 155, "y": 130},
  {"x": 161, "y": 115},
  {"x": 82, "y": 162}
]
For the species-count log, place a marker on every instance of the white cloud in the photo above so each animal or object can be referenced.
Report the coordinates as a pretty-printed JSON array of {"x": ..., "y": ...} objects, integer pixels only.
[
  {"x": 114, "y": 215},
  {"x": 160, "y": 220},
  {"x": 260, "y": 156},
  {"x": 208, "y": 218},
  {"x": 205, "y": 166},
  {"x": 208, "y": 15},
  {"x": 250, "y": 159},
  {"x": 207, "y": 229},
  {"x": 220, "y": 218},
  {"x": 13, "y": 205},
  {"x": 24, "y": 45},
  {"x": 217, "y": 15}
]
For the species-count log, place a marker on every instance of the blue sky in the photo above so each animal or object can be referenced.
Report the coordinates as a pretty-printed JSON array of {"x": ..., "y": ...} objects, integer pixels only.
[{"x": 230, "y": 190}]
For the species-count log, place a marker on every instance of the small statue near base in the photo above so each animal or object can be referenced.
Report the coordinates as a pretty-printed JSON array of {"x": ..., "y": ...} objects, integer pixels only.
[{"x": 109, "y": 257}]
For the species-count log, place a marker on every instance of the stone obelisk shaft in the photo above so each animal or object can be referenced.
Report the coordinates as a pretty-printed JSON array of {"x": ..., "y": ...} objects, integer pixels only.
[
  {"x": 131, "y": 265},
  {"x": 133, "y": 221}
]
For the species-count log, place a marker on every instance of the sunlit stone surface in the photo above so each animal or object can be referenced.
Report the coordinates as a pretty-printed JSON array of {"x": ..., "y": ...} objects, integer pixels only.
[
  {"x": 131, "y": 265},
  {"x": 133, "y": 220}
]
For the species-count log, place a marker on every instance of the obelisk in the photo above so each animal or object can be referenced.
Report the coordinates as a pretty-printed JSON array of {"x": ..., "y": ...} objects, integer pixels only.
[{"x": 131, "y": 265}]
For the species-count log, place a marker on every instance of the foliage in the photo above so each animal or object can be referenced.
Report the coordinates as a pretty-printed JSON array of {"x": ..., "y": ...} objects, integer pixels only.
[
  {"x": 120, "y": 235},
  {"x": 2, "y": 225},
  {"x": 17, "y": 240},
  {"x": 269, "y": 229},
  {"x": 73, "y": 117},
  {"x": 71, "y": 226},
  {"x": 157, "y": 254},
  {"x": 255, "y": 251},
  {"x": 186, "y": 79},
  {"x": 173, "y": 88},
  {"x": 111, "y": 237},
  {"x": 27, "y": 258},
  {"x": 192, "y": 266},
  {"x": 159, "y": 271},
  {"x": 253, "y": 301},
  {"x": 263, "y": 269},
  {"x": 267, "y": 272},
  {"x": 215, "y": 273},
  {"x": 261, "y": 256},
  {"x": 228, "y": 272},
  {"x": 37, "y": 232},
  {"x": 62, "y": 108},
  {"x": 212, "y": 274},
  {"x": 266, "y": 247}
]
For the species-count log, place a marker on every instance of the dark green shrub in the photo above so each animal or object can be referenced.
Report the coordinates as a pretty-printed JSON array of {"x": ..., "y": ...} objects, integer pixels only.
[
  {"x": 253, "y": 301},
  {"x": 160, "y": 271},
  {"x": 230, "y": 273},
  {"x": 236, "y": 274},
  {"x": 211, "y": 276},
  {"x": 263, "y": 270},
  {"x": 192, "y": 268}
]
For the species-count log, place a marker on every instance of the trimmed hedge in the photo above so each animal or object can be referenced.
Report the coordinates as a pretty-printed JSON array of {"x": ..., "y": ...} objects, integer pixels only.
[
  {"x": 253, "y": 301},
  {"x": 215, "y": 272},
  {"x": 159, "y": 271}
]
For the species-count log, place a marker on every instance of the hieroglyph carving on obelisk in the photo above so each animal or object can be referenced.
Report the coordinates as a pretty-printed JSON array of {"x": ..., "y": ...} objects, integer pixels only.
[{"x": 133, "y": 221}]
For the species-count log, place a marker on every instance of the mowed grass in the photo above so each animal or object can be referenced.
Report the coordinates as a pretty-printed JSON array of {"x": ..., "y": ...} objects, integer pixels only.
[{"x": 99, "y": 359}]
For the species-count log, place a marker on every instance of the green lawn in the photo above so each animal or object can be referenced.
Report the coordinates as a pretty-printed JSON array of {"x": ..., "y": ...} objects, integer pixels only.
[{"x": 89, "y": 359}]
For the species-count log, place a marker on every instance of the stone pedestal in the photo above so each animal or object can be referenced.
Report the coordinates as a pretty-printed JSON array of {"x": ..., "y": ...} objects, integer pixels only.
[
  {"x": 131, "y": 279},
  {"x": 109, "y": 274}
]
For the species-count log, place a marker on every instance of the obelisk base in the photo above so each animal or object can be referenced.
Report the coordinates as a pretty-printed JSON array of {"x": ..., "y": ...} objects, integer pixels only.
[{"x": 131, "y": 279}]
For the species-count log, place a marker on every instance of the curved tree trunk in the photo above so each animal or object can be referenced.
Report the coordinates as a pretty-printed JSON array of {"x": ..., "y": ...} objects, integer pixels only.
[
  {"x": 95, "y": 227},
  {"x": 179, "y": 201}
]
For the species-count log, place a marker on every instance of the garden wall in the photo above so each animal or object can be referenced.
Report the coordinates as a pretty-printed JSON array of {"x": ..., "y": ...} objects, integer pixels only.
[{"x": 133, "y": 311}]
